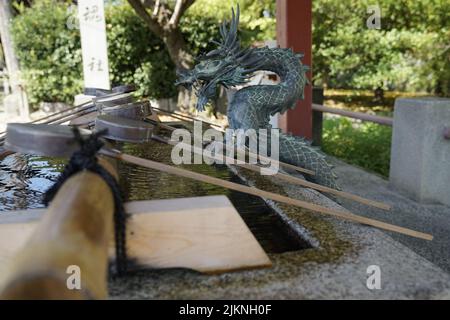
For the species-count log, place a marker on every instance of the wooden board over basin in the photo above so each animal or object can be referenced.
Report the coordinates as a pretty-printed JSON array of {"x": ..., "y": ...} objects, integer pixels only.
[{"x": 205, "y": 234}]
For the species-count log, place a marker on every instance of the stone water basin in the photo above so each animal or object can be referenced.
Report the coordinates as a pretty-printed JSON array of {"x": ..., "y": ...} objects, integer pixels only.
[{"x": 314, "y": 257}]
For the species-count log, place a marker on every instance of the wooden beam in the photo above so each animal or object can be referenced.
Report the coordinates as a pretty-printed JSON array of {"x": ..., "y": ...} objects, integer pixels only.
[{"x": 294, "y": 30}]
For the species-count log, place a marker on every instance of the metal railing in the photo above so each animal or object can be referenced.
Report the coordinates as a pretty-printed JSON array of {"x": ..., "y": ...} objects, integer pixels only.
[
  {"x": 319, "y": 109},
  {"x": 386, "y": 121}
]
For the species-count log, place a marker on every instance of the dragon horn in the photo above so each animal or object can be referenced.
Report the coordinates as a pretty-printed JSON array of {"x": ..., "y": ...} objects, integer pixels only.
[
  {"x": 230, "y": 30},
  {"x": 232, "y": 33},
  {"x": 223, "y": 31},
  {"x": 213, "y": 53}
]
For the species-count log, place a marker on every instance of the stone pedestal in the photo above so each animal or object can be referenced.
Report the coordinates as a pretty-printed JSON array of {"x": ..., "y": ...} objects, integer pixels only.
[
  {"x": 16, "y": 106},
  {"x": 420, "y": 155},
  {"x": 165, "y": 104},
  {"x": 52, "y": 107}
]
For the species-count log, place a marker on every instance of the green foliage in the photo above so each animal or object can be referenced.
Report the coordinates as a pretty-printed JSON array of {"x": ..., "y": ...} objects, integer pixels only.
[
  {"x": 364, "y": 144},
  {"x": 257, "y": 21},
  {"x": 136, "y": 55},
  {"x": 50, "y": 52},
  {"x": 199, "y": 32},
  {"x": 410, "y": 52}
]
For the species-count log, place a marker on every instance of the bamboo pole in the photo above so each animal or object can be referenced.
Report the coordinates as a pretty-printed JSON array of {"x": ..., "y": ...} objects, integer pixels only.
[
  {"x": 82, "y": 107},
  {"x": 246, "y": 151},
  {"x": 75, "y": 232},
  {"x": 286, "y": 177},
  {"x": 82, "y": 110},
  {"x": 71, "y": 110},
  {"x": 177, "y": 115},
  {"x": 61, "y": 119},
  {"x": 315, "y": 186},
  {"x": 73, "y": 116},
  {"x": 261, "y": 193}
]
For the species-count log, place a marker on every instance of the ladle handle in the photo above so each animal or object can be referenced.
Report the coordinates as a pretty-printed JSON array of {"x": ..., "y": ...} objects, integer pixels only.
[{"x": 261, "y": 193}]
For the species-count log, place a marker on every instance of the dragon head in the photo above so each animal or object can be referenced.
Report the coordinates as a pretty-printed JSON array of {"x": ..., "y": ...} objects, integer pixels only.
[{"x": 228, "y": 65}]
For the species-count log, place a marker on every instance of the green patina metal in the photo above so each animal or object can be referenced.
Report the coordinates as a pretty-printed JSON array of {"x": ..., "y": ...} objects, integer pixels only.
[{"x": 252, "y": 106}]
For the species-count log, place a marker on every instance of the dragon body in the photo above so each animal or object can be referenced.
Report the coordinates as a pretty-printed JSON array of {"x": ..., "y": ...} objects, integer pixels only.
[{"x": 252, "y": 106}]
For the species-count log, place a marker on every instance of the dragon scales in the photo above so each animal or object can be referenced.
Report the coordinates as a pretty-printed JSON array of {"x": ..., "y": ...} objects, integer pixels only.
[{"x": 252, "y": 106}]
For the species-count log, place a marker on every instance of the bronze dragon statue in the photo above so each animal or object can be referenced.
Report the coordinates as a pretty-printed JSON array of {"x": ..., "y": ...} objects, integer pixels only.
[{"x": 251, "y": 107}]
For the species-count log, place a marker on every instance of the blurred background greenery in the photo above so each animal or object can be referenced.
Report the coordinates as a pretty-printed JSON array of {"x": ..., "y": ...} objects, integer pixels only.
[
  {"x": 410, "y": 53},
  {"x": 51, "y": 57},
  {"x": 364, "y": 144}
]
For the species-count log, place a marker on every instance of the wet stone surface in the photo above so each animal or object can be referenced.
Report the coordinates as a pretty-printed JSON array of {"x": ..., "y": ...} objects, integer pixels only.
[
  {"x": 334, "y": 267},
  {"x": 329, "y": 263}
]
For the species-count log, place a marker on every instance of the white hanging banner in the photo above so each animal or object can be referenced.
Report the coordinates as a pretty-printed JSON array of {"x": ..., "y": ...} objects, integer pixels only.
[{"x": 91, "y": 15}]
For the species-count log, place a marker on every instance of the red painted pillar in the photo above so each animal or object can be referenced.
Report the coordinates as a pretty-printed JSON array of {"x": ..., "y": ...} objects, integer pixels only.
[{"x": 294, "y": 30}]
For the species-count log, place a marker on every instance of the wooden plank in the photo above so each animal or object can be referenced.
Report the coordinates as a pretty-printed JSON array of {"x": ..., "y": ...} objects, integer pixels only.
[{"x": 205, "y": 234}]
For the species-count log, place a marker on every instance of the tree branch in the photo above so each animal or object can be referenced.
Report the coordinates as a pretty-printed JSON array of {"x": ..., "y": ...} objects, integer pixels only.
[
  {"x": 156, "y": 8},
  {"x": 180, "y": 7},
  {"x": 148, "y": 3},
  {"x": 165, "y": 26},
  {"x": 152, "y": 23}
]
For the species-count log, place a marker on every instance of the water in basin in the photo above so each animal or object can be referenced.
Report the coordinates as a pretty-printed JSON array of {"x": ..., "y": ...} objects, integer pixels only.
[{"x": 24, "y": 179}]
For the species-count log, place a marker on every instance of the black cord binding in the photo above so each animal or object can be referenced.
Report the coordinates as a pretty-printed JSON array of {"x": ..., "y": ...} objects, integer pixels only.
[{"x": 85, "y": 159}]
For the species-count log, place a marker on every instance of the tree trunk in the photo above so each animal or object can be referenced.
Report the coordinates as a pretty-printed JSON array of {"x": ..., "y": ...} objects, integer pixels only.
[
  {"x": 18, "y": 105},
  {"x": 177, "y": 48},
  {"x": 168, "y": 30}
]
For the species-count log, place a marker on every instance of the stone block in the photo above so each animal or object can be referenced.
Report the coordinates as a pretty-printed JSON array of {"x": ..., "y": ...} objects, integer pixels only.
[{"x": 420, "y": 154}]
